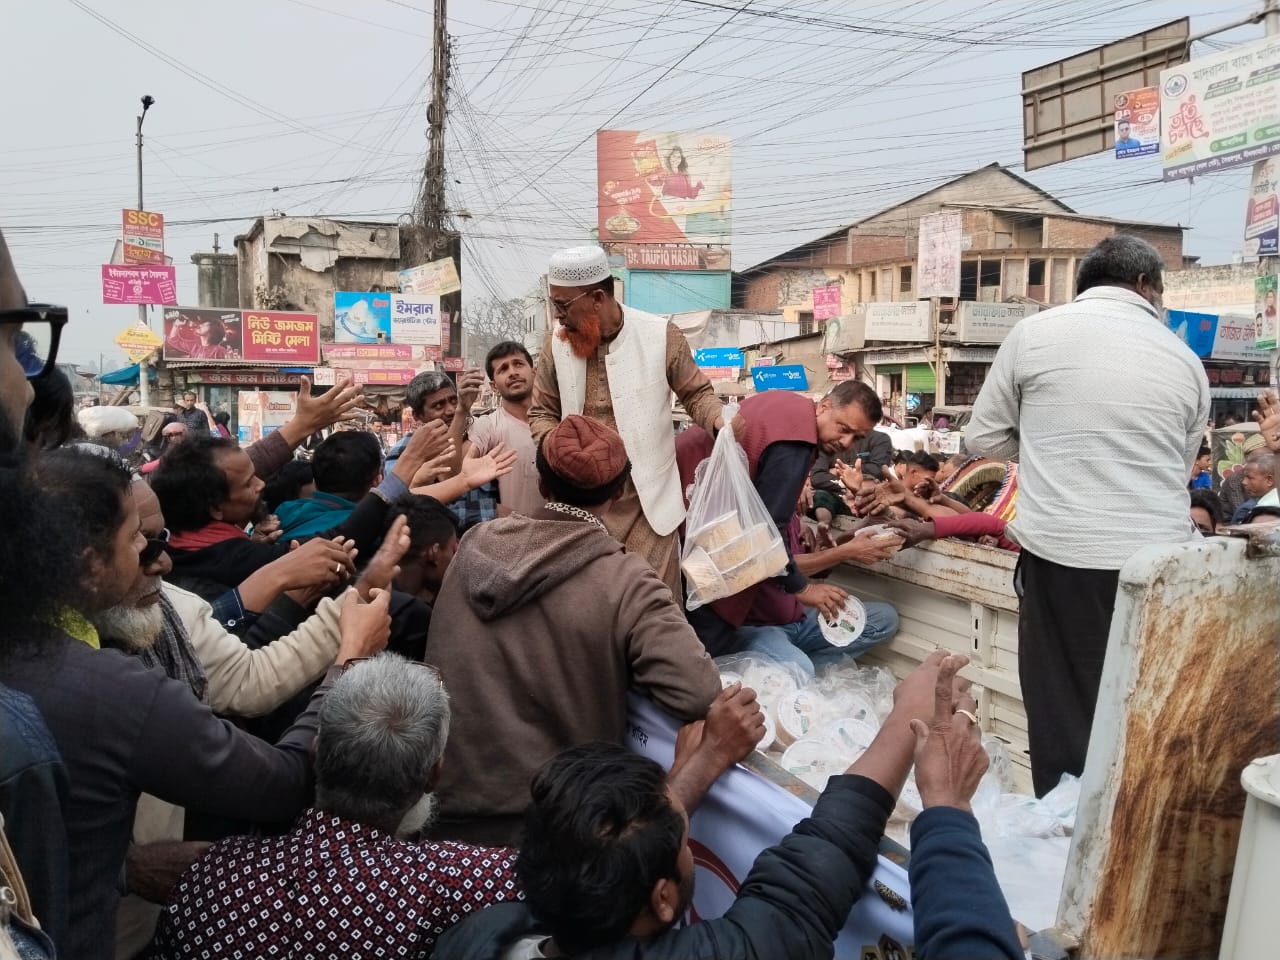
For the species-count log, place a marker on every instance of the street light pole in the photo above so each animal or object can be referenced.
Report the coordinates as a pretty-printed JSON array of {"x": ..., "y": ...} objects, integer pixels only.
[{"x": 144, "y": 384}]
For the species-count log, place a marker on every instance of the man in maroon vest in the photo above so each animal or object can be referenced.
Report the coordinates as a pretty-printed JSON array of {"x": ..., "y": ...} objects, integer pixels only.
[{"x": 781, "y": 436}]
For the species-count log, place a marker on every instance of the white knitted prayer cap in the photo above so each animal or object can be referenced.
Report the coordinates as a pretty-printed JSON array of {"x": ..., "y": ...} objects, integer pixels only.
[{"x": 577, "y": 267}]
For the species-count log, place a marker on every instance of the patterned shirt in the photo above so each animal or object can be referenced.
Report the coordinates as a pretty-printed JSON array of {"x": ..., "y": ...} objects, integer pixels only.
[{"x": 331, "y": 888}]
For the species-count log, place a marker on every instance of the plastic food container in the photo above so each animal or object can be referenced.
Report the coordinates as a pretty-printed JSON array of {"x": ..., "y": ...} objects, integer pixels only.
[
  {"x": 704, "y": 579},
  {"x": 815, "y": 761},
  {"x": 798, "y": 714},
  {"x": 745, "y": 574},
  {"x": 853, "y": 620},
  {"x": 717, "y": 533},
  {"x": 736, "y": 551}
]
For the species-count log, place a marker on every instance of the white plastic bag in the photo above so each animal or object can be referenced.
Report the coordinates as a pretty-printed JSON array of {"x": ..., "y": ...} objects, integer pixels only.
[{"x": 731, "y": 542}]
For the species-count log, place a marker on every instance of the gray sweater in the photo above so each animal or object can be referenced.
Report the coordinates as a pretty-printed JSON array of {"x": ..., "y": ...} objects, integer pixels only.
[{"x": 123, "y": 729}]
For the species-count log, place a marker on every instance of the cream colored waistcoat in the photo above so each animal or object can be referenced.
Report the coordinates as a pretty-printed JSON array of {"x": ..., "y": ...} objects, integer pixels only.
[{"x": 637, "y": 366}]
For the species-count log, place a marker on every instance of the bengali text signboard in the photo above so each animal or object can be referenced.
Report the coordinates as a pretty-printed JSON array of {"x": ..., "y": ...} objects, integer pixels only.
[
  {"x": 130, "y": 283},
  {"x": 1221, "y": 111}
]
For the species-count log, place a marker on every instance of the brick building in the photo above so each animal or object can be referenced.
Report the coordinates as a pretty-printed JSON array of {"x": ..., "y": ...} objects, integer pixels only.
[{"x": 1021, "y": 249}]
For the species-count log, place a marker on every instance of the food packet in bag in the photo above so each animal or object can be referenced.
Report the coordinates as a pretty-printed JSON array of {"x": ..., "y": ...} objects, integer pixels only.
[{"x": 731, "y": 542}]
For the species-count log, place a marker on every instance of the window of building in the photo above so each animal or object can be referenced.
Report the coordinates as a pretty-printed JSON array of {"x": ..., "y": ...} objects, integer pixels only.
[
  {"x": 904, "y": 279},
  {"x": 969, "y": 280}
]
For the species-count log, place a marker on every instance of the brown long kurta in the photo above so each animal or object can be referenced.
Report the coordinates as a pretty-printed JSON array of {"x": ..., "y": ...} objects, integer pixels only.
[{"x": 626, "y": 520}]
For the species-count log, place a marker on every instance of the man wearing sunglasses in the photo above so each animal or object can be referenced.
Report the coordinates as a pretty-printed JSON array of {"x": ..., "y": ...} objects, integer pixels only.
[{"x": 33, "y": 780}]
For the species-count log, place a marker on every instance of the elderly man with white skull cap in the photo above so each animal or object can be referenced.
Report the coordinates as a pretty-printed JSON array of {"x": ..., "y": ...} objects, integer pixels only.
[{"x": 618, "y": 365}]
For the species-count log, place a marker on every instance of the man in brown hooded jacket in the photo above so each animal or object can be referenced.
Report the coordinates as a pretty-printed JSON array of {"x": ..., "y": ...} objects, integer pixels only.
[{"x": 541, "y": 626}]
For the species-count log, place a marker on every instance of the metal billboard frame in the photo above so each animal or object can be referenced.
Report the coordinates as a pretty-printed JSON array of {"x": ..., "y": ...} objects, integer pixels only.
[{"x": 1068, "y": 107}]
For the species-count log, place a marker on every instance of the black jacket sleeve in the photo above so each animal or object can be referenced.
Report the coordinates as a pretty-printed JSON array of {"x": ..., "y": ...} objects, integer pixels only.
[
  {"x": 780, "y": 475},
  {"x": 957, "y": 905},
  {"x": 798, "y": 894}
]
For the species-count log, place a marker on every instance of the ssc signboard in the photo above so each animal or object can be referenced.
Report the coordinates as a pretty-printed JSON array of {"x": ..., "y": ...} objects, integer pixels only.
[{"x": 143, "y": 234}]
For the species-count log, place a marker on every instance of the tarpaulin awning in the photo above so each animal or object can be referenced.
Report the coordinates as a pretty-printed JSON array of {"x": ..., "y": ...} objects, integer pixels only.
[{"x": 126, "y": 376}]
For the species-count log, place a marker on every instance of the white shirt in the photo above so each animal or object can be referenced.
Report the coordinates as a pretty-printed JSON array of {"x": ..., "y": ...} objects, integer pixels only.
[{"x": 1105, "y": 409}]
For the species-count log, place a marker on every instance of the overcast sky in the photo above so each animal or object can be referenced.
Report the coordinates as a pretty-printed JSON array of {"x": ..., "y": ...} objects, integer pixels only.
[{"x": 317, "y": 107}]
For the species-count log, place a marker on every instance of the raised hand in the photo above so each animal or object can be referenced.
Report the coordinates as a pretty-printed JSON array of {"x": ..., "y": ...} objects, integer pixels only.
[
  {"x": 950, "y": 759},
  {"x": 365, "y": 627},
  {"x": 1268, "y": 419},
  {"x": 380, "y": 573},
  {"x": 498, "y": 462},
  {"x": 319, "y": 413}
]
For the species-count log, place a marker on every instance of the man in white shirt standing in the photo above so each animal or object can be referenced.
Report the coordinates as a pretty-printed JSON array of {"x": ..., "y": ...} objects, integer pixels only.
[
  {"x": 510, "y": 370},
  {"x": 1105, "y": 408}
]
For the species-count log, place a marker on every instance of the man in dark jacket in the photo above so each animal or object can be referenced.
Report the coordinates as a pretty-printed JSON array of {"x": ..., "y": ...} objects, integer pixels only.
[{"x": 607, "y": 869}]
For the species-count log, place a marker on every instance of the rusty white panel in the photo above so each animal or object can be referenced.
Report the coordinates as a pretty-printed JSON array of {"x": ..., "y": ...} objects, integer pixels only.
[{"x": 1188, "y": 699}]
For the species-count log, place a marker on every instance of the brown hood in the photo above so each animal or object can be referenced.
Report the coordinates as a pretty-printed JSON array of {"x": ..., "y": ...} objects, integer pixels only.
[{"x": 509, "y": 562}]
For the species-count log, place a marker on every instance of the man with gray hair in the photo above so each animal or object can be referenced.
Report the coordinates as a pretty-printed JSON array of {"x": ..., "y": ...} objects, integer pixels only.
[
  {"x": 348, "y": 879},
  {"x": 1105, "y": 408}
]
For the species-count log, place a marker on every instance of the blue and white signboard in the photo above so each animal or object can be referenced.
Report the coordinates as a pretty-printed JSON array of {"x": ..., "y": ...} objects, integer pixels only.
[
  {"x": 787, "y": 377},
  {"x": 719, "y": 357}
]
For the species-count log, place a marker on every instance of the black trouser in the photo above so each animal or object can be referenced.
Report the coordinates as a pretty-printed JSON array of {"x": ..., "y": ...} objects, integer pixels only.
[{"x": 1064, "y": 621}]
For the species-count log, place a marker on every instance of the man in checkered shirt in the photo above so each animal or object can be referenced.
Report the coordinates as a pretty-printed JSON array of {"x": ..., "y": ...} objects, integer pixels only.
[{"x": 348, "y": 880}]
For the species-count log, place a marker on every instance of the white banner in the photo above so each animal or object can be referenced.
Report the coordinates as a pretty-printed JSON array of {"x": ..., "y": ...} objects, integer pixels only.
[
  {"x": 415, "y": 319},
  {"x": 741, "y": 816},
  {"x": 941, "y": 240}
]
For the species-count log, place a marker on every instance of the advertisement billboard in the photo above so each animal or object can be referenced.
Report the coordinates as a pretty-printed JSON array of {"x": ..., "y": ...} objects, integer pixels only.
[
  {"x": 941, "y": 241},
  {"x": 1221, "y": 111},
  {"x": 826, "y": 302},
  {"x": 433, "y": 279},
  {"x": 143, "y": 234},
  {"x": 658, "y": 256},
  {"x": 272, "y": 336},
  {"x": 259, "y": 336},
  {"x": 127, "y": 283},
  {"x": 1266, "y": 320},
  {"x": 1262, "y": 217},
  {"x": 664, "y": 187},
  {"x": 361, "y": 317},
  {"x": 1138, "y": 122},
  {"x": 905, "y": 322},
  {"x": 415, "y": 318}
]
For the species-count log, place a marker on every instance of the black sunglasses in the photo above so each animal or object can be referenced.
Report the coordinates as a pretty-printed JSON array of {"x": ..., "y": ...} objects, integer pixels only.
[
  {"x": 35, "y": 318},
  {"x": 155, "y": 546}
]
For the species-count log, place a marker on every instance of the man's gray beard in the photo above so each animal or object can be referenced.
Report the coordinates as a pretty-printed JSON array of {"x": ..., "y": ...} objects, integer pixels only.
[
  {"x": 134, "y": 628},
  {"x": 420, "y": 816}
]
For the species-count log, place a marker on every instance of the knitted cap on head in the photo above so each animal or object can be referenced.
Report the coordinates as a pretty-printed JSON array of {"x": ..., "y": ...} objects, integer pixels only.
[
  {"x": 584, "y": 452},
  {"x": 578, "y": 267}
]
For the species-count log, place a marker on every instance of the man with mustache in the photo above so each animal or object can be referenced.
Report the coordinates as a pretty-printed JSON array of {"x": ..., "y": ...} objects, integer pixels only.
[
  {"x": 510, "y": 370},
  {"x": 618, "y": 365}
]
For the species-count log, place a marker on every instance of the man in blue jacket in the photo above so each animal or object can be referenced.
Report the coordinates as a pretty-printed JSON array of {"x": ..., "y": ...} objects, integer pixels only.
[{"x": 607, "y": 870}]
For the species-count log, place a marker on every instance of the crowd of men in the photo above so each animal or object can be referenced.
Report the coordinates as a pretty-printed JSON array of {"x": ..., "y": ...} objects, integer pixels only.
[{"x": 383, "y": 712}]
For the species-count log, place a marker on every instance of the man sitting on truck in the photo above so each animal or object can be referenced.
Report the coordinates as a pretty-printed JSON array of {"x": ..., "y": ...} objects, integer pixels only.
[{"x": 781, "y": 435}]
